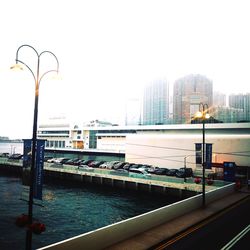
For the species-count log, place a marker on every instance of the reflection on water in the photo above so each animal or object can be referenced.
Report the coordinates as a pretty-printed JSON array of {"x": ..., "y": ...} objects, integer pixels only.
[{"x": 68, "y": 211}]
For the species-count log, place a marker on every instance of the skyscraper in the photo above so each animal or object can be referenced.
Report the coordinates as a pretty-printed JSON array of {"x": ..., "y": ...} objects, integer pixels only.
[
  {"x": 241, "y": 101},
  {"x": 189, "y": 92},
  {"x": 156, "y": 103}
]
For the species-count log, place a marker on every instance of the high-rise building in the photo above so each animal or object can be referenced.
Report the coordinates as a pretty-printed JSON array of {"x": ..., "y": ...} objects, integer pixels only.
[
  {"x": 227, "y": 114},
  {"x": 189, "y": 92},
  {"x": 241, "y": 101},
  {"x": 156, "y": 103}
]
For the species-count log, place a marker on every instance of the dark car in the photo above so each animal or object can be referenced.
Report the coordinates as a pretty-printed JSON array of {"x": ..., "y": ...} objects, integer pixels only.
[
  {"x": 119, "y": 165},
  {"x": 64, "y": 160},
  {"x": 152, "y": 170},
  {"x": 83, "y": 162},
  {"x": 161, "y": 171},
  {"x": 171, "y": 172},
  {"x": 95, "y": 164},
  {"x": 15, "y": 156},
  {"x": 4, "y": 155},
  {"x": 184, "y": 172},
  {"x": 127, "y": 166}
]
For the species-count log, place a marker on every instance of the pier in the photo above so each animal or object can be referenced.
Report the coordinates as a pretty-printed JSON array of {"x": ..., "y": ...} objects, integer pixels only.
[{"x": 153, "y": 184}]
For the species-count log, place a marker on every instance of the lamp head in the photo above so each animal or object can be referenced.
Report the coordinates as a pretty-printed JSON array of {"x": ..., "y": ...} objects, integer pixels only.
[
  {"x": 198, "y": 114},
  {"x": 207, "y": 116}
]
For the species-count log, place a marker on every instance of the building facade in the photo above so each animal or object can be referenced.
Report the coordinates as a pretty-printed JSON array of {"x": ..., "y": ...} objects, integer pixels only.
[
  {"x": 159, "y": 145},
  {"x": 227, "y": 114},
  {"x": 241, "y": 101},
  {"x": 156, "y": 103},
  {"x": 189, "y": 92}
]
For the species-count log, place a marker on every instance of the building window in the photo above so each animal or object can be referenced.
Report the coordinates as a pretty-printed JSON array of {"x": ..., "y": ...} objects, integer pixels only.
[
  {"x": 208, "y": 154},
  {"x": 198, "y": 153}
]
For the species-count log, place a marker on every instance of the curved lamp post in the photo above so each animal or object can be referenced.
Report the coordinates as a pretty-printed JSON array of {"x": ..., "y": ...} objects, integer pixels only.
[
  {"x": 37, "y": 77},
  {"x": 203, "y": 115}
]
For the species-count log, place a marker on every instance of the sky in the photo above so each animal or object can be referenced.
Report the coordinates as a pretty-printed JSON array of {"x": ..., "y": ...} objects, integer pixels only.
[{"x": 109, "y": 49}]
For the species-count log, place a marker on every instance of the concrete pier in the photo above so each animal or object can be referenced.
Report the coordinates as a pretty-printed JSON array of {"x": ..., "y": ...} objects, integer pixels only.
[{"x": 106, "y": 178}]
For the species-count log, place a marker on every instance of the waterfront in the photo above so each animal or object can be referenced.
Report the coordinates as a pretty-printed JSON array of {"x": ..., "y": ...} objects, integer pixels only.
[
  {"x": 69, "y": 210},
  {"x": 12, "y": 147}
]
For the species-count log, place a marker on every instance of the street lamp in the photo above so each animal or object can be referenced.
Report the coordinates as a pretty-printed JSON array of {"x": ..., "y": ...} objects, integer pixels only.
[
  {"x": 37, "y": 77},
  {"x": 203, "y": 115}
]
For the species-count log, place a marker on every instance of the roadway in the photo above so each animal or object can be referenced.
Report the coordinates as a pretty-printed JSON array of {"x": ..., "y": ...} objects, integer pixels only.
[{"x": 229, "y": 229}]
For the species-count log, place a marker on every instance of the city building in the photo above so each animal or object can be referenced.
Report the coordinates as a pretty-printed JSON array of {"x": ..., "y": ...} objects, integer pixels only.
[
  {"x": 241, "y": 101},
  {"x": 189, "y": 92},
  {"x": 156, "y": 103},
  {"x": 159, "y": 145},
  {"x": 227, "y": 114}
]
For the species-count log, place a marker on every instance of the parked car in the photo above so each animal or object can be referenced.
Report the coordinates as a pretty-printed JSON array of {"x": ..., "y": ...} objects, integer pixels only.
[
  {"x": 161, "y": 171},
  {"x": 15, "y": 156},
  {"x": 171, "y": 172},
  {"x": 4, "y": 155},
  {"x": 84, "y": 162},
  {"x": 119, "y": 165},
  {"x": 46, "y": 158},
  {"x": 184, "y": 172},
  {"x": 145, "y": 167},
  {"x": 139, "y": 171},
  {"x": 137, "y": 165},
  {"x": 52, "y": 160},
  {"x": 64, "y": 160},
  {"x": 152, "y": 169},
  {"x": 95, "y": 164},
  {"x": 109, "y": 164},
  {"x": 58, "y": 160},
  {"x": 127, "y": 166},
  {"x": 71, "y": 161}
]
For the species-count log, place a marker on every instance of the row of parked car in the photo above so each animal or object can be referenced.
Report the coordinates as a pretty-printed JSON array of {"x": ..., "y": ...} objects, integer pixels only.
[{"x": 123, "y": 167}]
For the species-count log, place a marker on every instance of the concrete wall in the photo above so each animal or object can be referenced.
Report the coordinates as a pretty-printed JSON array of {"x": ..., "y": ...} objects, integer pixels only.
[
  {"x": 169, "y": 150},
  {"x": 106, "y": 236},
  {"x": 111, "y": 143}
]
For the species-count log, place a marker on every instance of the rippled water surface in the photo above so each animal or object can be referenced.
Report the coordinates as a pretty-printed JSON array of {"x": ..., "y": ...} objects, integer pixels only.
[{"x": 68, "y": 210}]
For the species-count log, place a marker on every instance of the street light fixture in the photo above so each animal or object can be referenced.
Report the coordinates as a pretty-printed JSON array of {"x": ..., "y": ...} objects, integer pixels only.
[
  {"x": 37, "y": 77},
  {"x": 203, "y": 115}
]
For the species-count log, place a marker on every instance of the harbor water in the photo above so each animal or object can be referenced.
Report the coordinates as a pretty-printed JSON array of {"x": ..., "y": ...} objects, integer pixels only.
[{"x": 68, "y": 210}]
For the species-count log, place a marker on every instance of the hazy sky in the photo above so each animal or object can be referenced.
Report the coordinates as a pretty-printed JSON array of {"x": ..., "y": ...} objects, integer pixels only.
[{"x": 109, "y": 49}]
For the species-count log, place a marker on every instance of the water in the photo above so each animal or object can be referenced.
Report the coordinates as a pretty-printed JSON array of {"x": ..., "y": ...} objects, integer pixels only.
[{"x": 68, "y": 210}]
